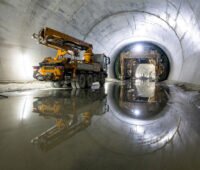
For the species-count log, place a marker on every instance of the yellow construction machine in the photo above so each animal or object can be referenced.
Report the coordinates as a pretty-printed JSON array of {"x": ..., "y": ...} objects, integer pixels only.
[{"x": 65, "y": 68}]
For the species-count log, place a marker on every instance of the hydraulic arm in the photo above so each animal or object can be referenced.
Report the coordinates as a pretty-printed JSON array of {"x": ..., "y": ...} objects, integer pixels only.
[{"x": 65, "y": 44}]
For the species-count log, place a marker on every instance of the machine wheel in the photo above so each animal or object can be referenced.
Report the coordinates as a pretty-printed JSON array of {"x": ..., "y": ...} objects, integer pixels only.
[
  {"x": 57, "y": 84},
  {"x": 101, "y": 79},
  {"x": 35, "y": 74},
  {"x": 81, "y": 82},
  {"x": 73, "y": 84},
  {"x": 95, "y": 78},
  {"x": 75, "y": 92},
  {"x": 89, "y": 80}
]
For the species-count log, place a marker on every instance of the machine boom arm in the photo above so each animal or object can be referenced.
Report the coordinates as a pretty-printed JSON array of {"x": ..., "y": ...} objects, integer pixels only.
[{"x": 57, "y": 40}]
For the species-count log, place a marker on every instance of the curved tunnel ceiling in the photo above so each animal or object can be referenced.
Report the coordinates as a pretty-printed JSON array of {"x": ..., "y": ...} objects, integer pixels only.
[{"x": 108, "y": 24}]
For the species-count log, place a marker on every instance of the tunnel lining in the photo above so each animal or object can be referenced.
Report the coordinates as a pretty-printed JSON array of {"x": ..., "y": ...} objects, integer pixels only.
[
  {"x": 130, "y": 12},
  {"x": 174, "y": 59},
  {"x": 83, "y": 20}
]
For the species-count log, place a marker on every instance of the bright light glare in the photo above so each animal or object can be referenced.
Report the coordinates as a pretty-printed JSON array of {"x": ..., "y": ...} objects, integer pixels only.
[
  {"x": 106, "y": 88},
  {"x": 136, "y": 112},
  {"x": 138, "y": 48},
  {"x": 27, "y": 63},
  {"x": 25, "y": 111},
  {"x": 146, "y": 70},
  {"x": 22, "y": 62},
  {"x": 139, "y": 129}
]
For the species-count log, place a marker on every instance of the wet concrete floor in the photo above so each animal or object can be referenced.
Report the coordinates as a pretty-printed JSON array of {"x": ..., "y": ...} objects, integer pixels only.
[{"x": 139, "y": 125}]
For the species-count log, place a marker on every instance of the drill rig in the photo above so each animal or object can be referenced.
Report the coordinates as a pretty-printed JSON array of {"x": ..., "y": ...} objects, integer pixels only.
[{"x": 65, "y": 69}]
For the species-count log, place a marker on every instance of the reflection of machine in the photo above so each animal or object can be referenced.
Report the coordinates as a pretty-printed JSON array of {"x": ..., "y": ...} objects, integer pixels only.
[
  {"x": 61, "y": 70},
  {"x": 129, "y": 63},
  {"x": 141, "y": 100},
  {"x": 73, "y": 113}
]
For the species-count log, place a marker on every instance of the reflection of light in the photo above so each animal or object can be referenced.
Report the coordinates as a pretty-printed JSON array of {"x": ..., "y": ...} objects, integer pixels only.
[
  {"x": 106, "y": 88},
  {"x": 25, "y": 109},
  {"x": 146, "y": 70},
  {"x": 138, "y": 48},
  {"x": 136, "y": 112},
  {"x": 138, "y": 129},
  {"x": 168, "y": 137},
  {"x": 145, "y": 88}
]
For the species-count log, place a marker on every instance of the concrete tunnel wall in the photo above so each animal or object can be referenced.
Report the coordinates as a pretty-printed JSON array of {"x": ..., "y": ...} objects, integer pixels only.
[{"x": 108, "y": 24}]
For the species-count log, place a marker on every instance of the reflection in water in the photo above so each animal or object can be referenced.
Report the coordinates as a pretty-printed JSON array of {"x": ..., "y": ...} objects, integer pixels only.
[
  {"x": 139, "y": 121},
  {"x": 81, "y": 134},
  {"x": 143, "y": 100},
  {"x": 72, "y": 110}
]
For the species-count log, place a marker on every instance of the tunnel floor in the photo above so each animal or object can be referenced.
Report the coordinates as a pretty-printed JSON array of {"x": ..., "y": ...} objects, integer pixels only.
[{"x": 140, "y": 125}]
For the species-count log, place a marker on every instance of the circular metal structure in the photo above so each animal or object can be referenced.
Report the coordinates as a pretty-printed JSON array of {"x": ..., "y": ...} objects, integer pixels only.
[{"x": 139, "y": 48}]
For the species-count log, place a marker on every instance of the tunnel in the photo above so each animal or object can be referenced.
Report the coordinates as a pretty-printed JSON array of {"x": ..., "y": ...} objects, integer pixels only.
[
  {"x": 139, "y": 52},
  {"x": 130, "y": 123},
  {"x": 108, "y": 25}
]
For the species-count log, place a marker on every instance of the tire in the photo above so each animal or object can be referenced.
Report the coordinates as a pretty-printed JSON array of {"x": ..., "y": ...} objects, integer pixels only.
[
  {"x": 73, "y": 85},
  {"x": 81, "y": 82},
  {"x": 102, "y": 79},
  {"x": 95, "y": 78},
  {"x": 89, "y": 80},
  {"x": 35, "y": 74},
  {"x": 57, "y": 84}
]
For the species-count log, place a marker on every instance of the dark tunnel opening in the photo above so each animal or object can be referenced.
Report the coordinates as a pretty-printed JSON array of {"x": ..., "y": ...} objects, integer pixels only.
[{"x": 141, "y": 52}]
